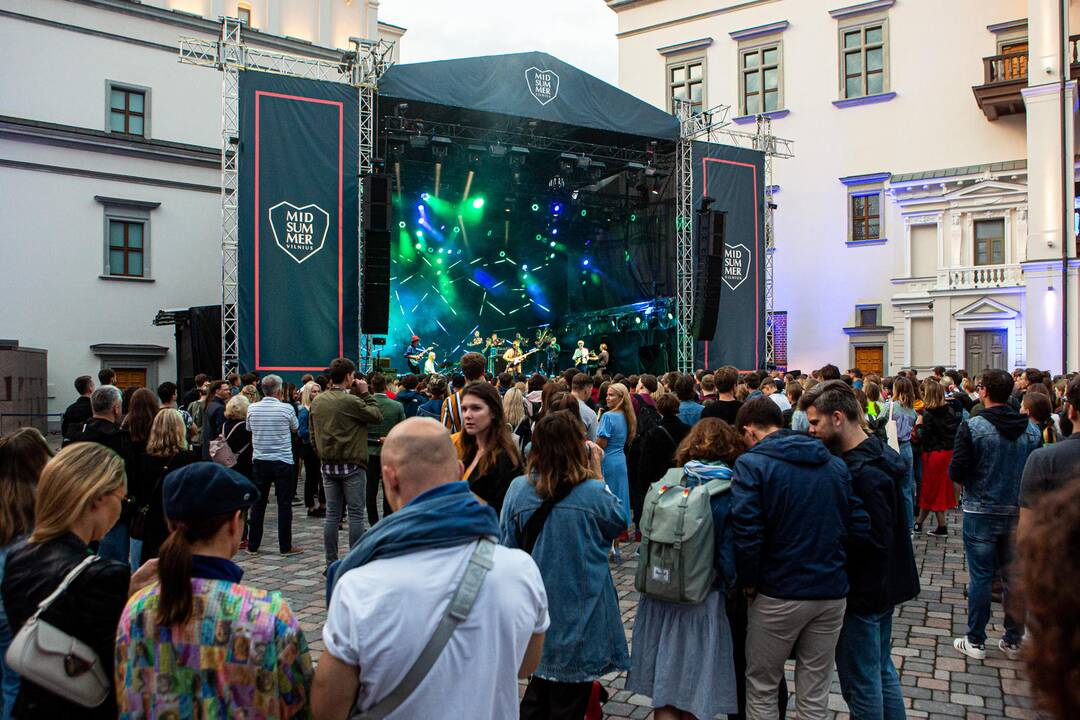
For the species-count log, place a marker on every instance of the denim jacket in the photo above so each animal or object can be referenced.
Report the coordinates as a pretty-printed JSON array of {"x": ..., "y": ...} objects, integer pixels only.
[
  {"x": 988, "y": 459},
  {"x": 586, "y": 638}
]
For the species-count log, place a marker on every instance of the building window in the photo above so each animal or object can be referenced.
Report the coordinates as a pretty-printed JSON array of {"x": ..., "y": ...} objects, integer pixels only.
[
  {"x": 686, "y": 81},
  {"x": 866, "y": 217},
  {"x": 243, "y": 12},
  {"x": 990, "y": 242},
  {"x": 868, "y": 315},
  {"x": 125, "y": 248},
  {"x": 760, "y": 80},
  {"x": 863, "y": 58},
  {"x": 127, "y": 111}
]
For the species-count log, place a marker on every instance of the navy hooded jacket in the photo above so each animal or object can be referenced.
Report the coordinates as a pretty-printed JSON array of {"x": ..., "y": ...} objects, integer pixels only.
[{"x": 794, "y": 514}]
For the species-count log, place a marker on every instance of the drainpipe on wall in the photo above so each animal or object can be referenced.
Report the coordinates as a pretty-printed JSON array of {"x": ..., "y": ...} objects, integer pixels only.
[{"x": 1066, "y": 189}]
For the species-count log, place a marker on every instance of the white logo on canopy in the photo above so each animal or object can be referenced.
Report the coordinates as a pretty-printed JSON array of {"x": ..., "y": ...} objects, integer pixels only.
[
  {"x": 736, "y": 265},
  {"x": 543, "y": 84},
  {"x": 299, "y": 231}
]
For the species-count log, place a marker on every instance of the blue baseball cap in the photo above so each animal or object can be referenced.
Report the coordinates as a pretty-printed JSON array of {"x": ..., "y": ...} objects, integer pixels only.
[{"x": 204, "y": 489}]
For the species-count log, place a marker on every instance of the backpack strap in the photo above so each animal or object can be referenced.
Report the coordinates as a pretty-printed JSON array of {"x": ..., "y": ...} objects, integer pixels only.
[
  {"x": 536, "y": 521},
  {"x": 456, "y": 612}
]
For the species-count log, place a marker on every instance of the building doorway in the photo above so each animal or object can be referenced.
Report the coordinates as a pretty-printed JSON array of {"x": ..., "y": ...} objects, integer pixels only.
[
  {"x": 870, "y": 359},
  {"x": 130, "y": 377},
  {"x": 985, "y": 349}
]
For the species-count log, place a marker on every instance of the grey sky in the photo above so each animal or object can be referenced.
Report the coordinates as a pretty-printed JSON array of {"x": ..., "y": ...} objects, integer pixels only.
[{"x": 581, "y": 32}]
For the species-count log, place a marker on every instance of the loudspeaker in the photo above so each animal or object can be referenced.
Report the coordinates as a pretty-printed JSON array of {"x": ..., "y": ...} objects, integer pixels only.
[
  {"x": 707, "y": 305},
  {"x": 376, "y": 210},
  {"x": 375, "y": 311}
]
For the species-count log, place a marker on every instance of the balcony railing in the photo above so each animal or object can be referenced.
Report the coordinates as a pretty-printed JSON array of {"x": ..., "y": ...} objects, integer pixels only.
[
  {"x": 1006, "y": 74},
  {"x": 980, "y": 276}
]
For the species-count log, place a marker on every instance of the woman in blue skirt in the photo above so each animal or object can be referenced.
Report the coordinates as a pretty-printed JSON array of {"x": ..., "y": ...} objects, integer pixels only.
[{"x": 616, "y": 429}]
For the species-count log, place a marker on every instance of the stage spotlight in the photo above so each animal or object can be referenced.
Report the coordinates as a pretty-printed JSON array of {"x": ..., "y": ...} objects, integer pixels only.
[
  {"x": 556, "y": 183},
  {"x": 633, "y": 217},
  {"x": 556, "y": 208},
  {"x": 551, "y": 244},
  {"x": 535, "y": 207},
  {"x": 423, "y": 196},
  {"x": 498, "y": 150},
  {"x": 440, "y": 147},
  {"x": 401, "y": 224},
  {"x": 567, "y": 161},
  {"x": 585, "y": 262},
  {"x": 418, "y": 141},
  {"x": 475, "y": 155},
  {"x": 518, "y": 155},
  {"x": 554, "y": 231},
  {"x": 478, "y": 203},
  {"x": 597, "y": 170},
  {"x": 583, "y": 162},
  {"x": 395, "y": 145},
  {"x": 637, "y": 320}
]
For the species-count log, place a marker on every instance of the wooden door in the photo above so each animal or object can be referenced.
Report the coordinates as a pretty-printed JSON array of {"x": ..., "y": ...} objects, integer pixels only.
[
  {"x": 985, "y": 349},
  {"x": 870, "y": 359},
  {"x": 130, "y": 377}
]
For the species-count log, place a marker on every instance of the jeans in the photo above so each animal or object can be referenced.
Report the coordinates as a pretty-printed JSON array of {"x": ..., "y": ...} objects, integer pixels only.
[
  {"x": 347, "y": 489},
  {"x": 116, "y": 545},
  {"x": 868, "y": 679},
  {"x": 908, "y": 489},
  {"x": 988, "y": 545},
  {"x": 281, "y": 476}
]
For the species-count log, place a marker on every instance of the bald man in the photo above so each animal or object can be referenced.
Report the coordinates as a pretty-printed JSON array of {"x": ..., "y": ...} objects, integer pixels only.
[{"x": 395, "y": 586}]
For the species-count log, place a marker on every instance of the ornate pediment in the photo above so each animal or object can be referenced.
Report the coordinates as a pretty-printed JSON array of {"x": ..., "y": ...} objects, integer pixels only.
[{"x": 986, "y": 308}]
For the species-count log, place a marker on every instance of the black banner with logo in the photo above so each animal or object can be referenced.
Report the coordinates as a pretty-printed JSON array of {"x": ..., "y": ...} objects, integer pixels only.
[
  {"x": 298, "y": 217},
  {"x": 730, "y": 231}
]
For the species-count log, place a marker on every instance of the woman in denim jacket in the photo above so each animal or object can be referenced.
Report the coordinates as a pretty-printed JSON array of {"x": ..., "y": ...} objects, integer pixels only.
[
  {"x": 683, "y": 654},
  {"x": 586, "y": 638}
]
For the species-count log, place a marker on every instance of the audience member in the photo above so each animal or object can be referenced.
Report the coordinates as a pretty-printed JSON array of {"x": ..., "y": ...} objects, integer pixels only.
[{"x": 272, "y": 423}]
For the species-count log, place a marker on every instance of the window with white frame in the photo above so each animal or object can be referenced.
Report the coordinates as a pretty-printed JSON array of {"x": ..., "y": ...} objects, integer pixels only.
[
  {"x": 686, "y": 81},
  {"x": 990, "y": 242},
  {"x": 864, "y": 59},
  {"x": 864, "y": 213},
  {"x": 760, "y": 79}
]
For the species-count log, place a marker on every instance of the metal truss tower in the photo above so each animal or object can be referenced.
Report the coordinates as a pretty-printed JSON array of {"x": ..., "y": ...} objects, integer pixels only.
[
  {"x": 712, "y": 126},
  {"x": 361, "y": 67}
]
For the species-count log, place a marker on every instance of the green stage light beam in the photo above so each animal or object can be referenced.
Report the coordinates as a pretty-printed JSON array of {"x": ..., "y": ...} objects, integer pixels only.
[{"x": 478, "y": 203}]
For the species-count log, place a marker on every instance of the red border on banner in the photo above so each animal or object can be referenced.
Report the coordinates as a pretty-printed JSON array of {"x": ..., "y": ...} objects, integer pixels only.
[
  {"x": 757, "y": 279},
  {"x": 341, "y": 182}
]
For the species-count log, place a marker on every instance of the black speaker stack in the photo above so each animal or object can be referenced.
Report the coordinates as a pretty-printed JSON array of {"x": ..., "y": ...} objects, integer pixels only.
[
  {"x": 375, "y": 311},
  {"x": 710, "y": 272}
]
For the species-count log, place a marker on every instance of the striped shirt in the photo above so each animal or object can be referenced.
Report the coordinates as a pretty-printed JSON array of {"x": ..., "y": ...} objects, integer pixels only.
[{"x": 272, "y": 423}]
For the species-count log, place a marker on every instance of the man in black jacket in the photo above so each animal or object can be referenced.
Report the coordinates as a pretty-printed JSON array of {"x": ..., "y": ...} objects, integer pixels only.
[
  {"x": 79, "y": 411},
  {"x": 220, "y": 392},
  {"x": 104, "y": 425},
  {"x": 881, "y": 570}
]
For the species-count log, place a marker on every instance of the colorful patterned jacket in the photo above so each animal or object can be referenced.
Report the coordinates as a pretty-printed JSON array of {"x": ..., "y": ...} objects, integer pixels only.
[{"x": 242, "y": 655}]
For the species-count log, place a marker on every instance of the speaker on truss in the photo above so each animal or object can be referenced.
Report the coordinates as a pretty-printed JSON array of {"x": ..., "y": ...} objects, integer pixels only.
[
  {"x": 375, "y": 294},
  {"x": 710, "y": 271}
]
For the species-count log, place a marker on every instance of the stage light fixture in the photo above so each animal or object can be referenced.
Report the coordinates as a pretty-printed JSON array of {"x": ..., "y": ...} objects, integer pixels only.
[
  {"x": 418, "y": 142},
  {"x": 584, "y": 212},
  {"x": 518, "y": 155},
  {"x": 502, "y": 253},
  {"x": 597, "y": 170},
  {"x": 539, "y": 236},
  {"x": 395, "y": 145},
  {"x": 535, "y": 207},
  {"x": 440, "y": 147},
  {"x": 585, "y": 262},
  {"x": 556, "y": 208},
  {"x": 498, "y": 150},
  {"x": 551, "y": 244},
  {"x": 567, "y": 161},
  {"x": 583, "y": 162},
  {"x": 401, "y": 224},
  {"x": 478, "y": 203},
  {"x": 420, "y": 234},
  {"x": 423, "y": 196},
  {"x": 556, "y": 183},
  {"x": 554, "y": 231},
  {"x": 476, "y": 154},
  {"x": 633, "y": 217}
]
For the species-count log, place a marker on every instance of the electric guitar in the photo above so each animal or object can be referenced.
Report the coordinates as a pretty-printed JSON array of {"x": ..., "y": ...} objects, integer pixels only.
[
  {"x": 414, "y": 360},
  {"x": 513, "y": 362}
]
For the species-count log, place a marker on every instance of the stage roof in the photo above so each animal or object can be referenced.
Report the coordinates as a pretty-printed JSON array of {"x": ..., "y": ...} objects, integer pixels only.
[{"x": 531, "y": 85}]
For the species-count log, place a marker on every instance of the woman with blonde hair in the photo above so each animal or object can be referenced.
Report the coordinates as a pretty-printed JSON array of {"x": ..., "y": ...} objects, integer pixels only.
[
  {"x": 312, "y": 468},
  {"x": 80, "y": 496},
  {"x": 166, "y": 450},
  {"x": 236, "y": 433},
  {"x": 517, "y": 418},
  {"x": 23, "y": 454},
  {"x": 617, "y": 428}
]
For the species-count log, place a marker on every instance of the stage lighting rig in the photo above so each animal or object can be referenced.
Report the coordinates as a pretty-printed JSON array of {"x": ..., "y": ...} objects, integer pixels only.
[
  {"x": 440, "y": 147},
  {"x": 518, "y": 155},
  {"x": 476, "y": 154},
  {"x": 498, "y": 150},
  {"x": 567, "y": 163},
  {"x": 395, "y": 145}
]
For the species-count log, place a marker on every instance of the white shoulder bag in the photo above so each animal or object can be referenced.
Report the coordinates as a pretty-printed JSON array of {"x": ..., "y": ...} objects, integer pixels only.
[
  {"x": 891, "y": 436},
  {"x": 49, "y": 657}
]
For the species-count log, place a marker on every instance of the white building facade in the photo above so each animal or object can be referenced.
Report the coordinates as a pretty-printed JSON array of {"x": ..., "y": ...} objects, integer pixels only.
[
  {"x": 110, "y": 169},
  {"x": 921, "y": 220}
]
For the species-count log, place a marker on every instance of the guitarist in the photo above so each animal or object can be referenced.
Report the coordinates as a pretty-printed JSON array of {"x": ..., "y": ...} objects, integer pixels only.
[
  {"x": 512, "y": 354},
  {"x": 413, "y": 354}
]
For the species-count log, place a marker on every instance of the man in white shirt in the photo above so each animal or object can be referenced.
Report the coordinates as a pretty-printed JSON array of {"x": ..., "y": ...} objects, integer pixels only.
[
  {"x": 772, "y": 390},
  {"x": 272, "y": 423},
  {"x": 383, "y": 612}
]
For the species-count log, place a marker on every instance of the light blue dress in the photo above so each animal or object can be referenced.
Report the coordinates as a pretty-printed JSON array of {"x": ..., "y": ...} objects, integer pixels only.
[{"x": 613, "y": 427}]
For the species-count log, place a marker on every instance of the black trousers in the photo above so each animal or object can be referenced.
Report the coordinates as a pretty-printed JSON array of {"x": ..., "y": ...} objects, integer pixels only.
[
  {"x": 312, "y": 476},
  {"x": 549, "y": 700},
  {"x": 737, "y": 620},
  {"x": 279, "y": 476},
  {"x": 371, "y": 492}
]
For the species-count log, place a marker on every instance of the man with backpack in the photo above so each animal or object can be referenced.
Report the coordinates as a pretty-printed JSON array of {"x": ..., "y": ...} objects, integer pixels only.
[
  {"x": 882, "y": 570},
  {"x": 794, "y": 514}
]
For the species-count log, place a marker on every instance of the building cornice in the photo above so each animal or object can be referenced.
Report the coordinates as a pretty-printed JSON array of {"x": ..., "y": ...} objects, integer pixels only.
[
  {"x": 863, "y": 7},
  {"x": 114, "y": 177},
  {"x": 774, "y": 27},
  {"x": 69, "y": 136},
  {"x": 699, "y": 44},
  {"x": 691, "y": 18},
  {"x": 125, "y": 202},
  {"x": 149, "y": 351},
  {"x": 866, "y": 178},
  {"x": 1007, "y": 26}
]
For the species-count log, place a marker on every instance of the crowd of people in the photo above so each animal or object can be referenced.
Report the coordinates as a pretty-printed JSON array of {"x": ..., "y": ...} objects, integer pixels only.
[{"x": 771, "y": 515}]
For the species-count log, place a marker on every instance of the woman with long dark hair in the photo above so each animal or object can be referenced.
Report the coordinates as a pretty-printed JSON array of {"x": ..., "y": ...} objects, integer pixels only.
[
  {"x": 485, "y": 445},
  {"x": 23, "y": 455},
  {"x": 902, "y": 407},
  {"x": 566, "y": 519},
  {"x": 197, "y": 638},
  {"x": 166, "y": 450},
  {"x": 936, "y": 429},
  {"x": 137, "y": 422},
  {"x": 683, "y": 654}
]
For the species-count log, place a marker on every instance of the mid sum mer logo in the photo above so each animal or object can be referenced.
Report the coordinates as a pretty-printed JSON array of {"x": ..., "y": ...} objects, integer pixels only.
[{"x": 299, "y": 231}]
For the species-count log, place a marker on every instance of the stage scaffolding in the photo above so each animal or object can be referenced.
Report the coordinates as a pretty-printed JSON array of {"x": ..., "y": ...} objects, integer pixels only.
[
  {"x": 712, "y": 125},
  {"x": 361, "y": 67}
]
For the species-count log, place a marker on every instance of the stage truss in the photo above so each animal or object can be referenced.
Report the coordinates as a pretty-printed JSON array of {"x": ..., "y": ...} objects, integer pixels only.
[
  {"x": 361, "y": 67},
  {"x": 712, "y": 125}
]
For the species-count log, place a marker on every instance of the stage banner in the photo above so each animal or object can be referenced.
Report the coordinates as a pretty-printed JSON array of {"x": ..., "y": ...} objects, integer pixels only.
[
  {"x": 298, "y": 216},
  {"x": 732, "y": 230}
]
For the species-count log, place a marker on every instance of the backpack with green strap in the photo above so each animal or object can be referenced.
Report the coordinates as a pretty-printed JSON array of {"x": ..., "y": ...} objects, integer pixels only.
[{"x": 676, "y": 560}]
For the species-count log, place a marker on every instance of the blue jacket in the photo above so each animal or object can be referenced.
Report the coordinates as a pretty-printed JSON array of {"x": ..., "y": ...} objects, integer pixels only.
[
  {"x": 794, "y": 514},
  {"x": 586, "y": 639},
  {"x": 988, "y": 459},
  {"x": 411, "y": 401},
  {"x": 303, "y": 429}
]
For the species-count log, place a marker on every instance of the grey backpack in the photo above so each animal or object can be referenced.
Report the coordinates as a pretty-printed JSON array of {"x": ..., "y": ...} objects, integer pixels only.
[{"x": 676, "y": 563}]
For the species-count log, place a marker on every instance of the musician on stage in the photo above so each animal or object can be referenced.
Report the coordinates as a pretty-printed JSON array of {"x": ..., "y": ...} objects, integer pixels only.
[
  {"x": 551, "y": 355},
  {"x": 430, "y": 367},
  {"x": 491, "y": 351},
  {"x": 476, "y": 340},
  {"x": 581, "y": 357},
  {"x": 602, "y": 359},
  {"x": 513, "y": 353},
  {"x": 413, "y": 353}
]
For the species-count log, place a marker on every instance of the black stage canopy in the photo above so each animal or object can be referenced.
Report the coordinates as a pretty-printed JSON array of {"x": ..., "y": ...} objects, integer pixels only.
[{"x": 527, "y": 85}]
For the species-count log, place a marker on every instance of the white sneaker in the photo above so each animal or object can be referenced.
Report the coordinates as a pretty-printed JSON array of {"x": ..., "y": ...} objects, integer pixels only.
[
  {"x": 1011, "y": 651},
  {"x": 969, "y": 648}
]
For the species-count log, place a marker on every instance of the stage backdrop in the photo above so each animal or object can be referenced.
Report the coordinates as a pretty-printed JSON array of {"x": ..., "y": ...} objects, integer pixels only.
[
  {"x": 735, "y": 179},
  {"x": 298, "y": 294}
]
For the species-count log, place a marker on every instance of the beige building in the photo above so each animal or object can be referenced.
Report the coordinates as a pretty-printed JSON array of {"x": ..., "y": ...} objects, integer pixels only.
[{"x": 921, "y": 219}]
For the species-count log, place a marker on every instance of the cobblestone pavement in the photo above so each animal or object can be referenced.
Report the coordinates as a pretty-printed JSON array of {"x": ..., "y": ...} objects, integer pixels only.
[{"x": 938, "y": 682}]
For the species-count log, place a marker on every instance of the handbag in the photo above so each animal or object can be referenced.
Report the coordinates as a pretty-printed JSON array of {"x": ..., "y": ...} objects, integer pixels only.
[
  {"x": 221, "y": 453},
  {"x": 51, "y": 658},
  {"x": 892, "y": 437}
]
